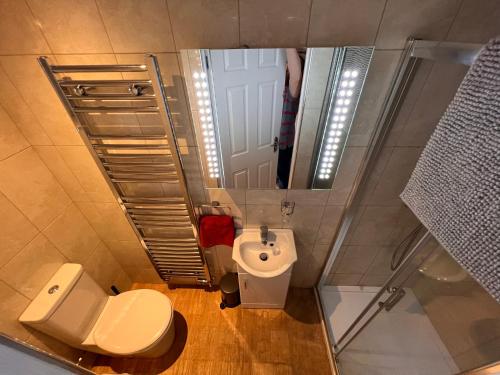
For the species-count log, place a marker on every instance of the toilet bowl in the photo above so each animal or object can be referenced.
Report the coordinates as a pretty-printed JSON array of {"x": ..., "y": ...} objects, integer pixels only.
[{"x": 73, "y": 308}]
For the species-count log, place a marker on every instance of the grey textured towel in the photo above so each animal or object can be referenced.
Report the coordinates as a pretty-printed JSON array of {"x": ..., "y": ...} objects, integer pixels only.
[{"x": 455, "y": 187}]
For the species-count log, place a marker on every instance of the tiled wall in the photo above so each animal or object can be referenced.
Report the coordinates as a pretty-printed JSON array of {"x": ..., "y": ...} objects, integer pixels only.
[
  {"x": 56, "y": 207},
  {"x": 382, "y": 221}
]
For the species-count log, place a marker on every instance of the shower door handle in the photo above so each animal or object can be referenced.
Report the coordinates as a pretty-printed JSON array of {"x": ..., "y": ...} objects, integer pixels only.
[{"x": 396, "y": 295}]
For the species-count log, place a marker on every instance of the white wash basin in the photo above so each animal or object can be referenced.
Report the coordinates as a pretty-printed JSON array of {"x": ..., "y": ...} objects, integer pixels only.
[{"x": 270, "y": 260}]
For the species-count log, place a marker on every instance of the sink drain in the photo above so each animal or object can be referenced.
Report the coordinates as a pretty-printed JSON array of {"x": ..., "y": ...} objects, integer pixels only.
[{"x": 263, "y": 257}]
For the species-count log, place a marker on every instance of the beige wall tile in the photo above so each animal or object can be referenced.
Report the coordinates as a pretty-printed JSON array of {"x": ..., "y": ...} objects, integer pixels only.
[
  {"x": 35, "y": 264},
  {"x": 345, "y": 279},
  {"x": 84, "y": 168},
  {"x": 413, "y": 93},
  {"x": 54, "y": 162},
  {"x": 11, "y": 139},
  {"x": 17, "y": 231},
  {"x": 305, "y": 222},
  {"x": 394, "y": 177},
  {"x": 72, "y": 235},
  {"x": 476, "y": 22},
  {"x": 108, "y": 220},
  {"x": 12, "y": 305},
  {"x": 71, "y": 26},
  {"x": 346, "y": 174},
  {"x": 264, "y": 214},
  {"x": 424, "y": 19},
  {"x": 381, "y": 264},
  {"x": 233, "y": 196},
  {"x": 129, "y": 253},
  {"x": 280, "y": 23},
  {"x": 344, "y": 23},
  {"x": 357, "y": 259},
  {"x": 146, "y": 275},
  {"x": 20, "y": 113},
  {"x": 27, "y": 76},
  {"x": 376, "y": 226},
  {"x": 437, "y": 93},
  {"x": 19, "y": 30},
  {"x": 265, "y": 196},
  {"x": 201, "y": 24},
  {"x": 308, "y": 197},
  {"x": 123, "y": 281},
  {"x": 123, "y": 21},
  {"x": 373, "y": 280},
  {"x": 329, "y": 223},
  {"x": 27, "y": 182},
  {"x": 102, "y": 267}
]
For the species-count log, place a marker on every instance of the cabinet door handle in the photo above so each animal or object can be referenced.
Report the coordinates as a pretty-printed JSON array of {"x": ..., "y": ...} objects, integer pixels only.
[{"x": 245, "y": 284}]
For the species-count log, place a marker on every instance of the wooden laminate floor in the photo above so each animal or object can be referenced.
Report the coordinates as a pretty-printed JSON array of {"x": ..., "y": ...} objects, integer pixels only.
[{"x": 234, "y": 341}]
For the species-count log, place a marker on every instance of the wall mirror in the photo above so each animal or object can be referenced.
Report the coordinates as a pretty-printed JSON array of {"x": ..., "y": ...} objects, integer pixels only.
[{"x": 273, "y": 118}]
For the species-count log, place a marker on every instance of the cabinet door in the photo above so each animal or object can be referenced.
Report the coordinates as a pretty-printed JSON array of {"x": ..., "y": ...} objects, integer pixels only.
[{"x": 263, "y": 292}]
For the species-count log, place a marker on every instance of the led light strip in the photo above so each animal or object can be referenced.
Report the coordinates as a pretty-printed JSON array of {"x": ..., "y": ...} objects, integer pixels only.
[
  {"x": 207, "y": 126},
  {"x": 337, "y": 127}
]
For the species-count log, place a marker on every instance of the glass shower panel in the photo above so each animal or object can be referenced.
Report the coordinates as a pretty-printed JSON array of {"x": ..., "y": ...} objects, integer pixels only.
[{"x": 443, "y": 322}]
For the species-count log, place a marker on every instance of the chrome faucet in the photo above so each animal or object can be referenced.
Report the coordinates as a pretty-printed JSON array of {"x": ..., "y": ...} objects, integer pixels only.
[{"x": 264, "y": 230}]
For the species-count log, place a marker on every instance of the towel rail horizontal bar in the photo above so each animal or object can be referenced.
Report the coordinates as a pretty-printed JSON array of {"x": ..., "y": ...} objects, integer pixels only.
[
  {"x": 181, "y": 262},
  {"x": 174, "y": 253},
  {"x": 200, "y": 278},
  {"x": 156, "y": 206},
  {"x": 190, "y": 248},
  {"x": 143, "y": 224},
  {"x": 136, "y": 181},
  {"x": 184, "y": 218},
  {"x": 117, "y": 171},
  {"x": 102, "y": 109},
  {"x": 173, "y": 247},
  {"x": 153, "y": 199},
  {"x": 98, "y": 68},
  {"x": 96, "y": 137},
  {"x": 143, "y": 146},
  {"x": 187, "y": 273},
  {"x": 169, "y": 250},
  {"x": 134, "y": 156},
  {"x": 111, "y": 97},
  {"x": 181, "y": 267},
  {"x": 175, "y": 214},
  {"x": 103, "y": 83},
  {"x": 175, "y": 256},
  {"x": 161, "y": 221},
  {"x": 139, "y": 175},
  {"x": 174, "y": 239},
  {"x": 135, "y": 165}
]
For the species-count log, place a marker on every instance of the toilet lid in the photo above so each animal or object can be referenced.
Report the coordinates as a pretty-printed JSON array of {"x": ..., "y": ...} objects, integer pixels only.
[{"x": 133, "y": 321}]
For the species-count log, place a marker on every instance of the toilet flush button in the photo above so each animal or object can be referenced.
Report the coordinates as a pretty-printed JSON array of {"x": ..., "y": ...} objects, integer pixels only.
[{"x": 53, "y": 289}]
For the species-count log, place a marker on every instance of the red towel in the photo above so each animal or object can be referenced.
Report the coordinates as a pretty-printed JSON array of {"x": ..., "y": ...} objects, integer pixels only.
[{"x": 216, "y": 230}]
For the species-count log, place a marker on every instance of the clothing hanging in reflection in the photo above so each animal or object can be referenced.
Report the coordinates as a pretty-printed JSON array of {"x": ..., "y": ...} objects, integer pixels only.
[{"x": 291, "y": 99}]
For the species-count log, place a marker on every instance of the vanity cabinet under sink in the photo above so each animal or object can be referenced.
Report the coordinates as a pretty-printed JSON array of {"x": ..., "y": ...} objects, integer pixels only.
[
  {"x": 265, "y": 261},
  {"x": 258, "y": 292}
]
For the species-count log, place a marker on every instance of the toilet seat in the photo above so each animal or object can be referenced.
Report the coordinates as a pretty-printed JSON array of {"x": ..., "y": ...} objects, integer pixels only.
[{"x": 133, "y": 321}]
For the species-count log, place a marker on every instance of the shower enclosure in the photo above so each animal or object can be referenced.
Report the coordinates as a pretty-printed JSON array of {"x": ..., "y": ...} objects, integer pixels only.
[{"x": 394, "y": 301}]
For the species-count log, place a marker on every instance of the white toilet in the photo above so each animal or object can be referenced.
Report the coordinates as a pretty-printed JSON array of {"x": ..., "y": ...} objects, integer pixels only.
[{"x": 73, "y": 308}]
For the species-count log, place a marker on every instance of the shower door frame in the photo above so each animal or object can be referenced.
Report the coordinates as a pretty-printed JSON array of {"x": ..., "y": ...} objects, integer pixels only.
[{"x": 414, "y": 52}]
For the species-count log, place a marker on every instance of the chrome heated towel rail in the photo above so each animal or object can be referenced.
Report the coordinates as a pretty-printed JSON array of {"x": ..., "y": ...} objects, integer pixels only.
[{"x": 127, "y": 126}]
